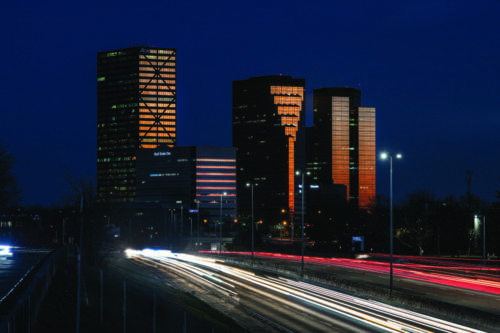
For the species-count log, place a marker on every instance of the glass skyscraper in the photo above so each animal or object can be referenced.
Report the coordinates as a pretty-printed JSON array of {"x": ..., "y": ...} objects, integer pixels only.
[
  {"x": 136, "y": 109},
  {"x": 344, "y": 142},
  {"x": 268, "y": 128}
]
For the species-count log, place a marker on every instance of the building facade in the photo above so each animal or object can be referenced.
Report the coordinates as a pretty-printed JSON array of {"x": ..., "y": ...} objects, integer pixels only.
[
  {"x": 136, "y": 109},
  {"x": 268, "y": 120},
  {"x": 343, "y": 147}
]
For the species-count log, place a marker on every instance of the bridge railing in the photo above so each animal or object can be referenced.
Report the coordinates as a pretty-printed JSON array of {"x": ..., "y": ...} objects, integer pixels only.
[{"x": 22, "y": 315}]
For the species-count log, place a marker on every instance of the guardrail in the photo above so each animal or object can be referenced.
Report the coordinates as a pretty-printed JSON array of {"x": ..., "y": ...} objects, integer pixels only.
[{"x": 22, "y": 315}]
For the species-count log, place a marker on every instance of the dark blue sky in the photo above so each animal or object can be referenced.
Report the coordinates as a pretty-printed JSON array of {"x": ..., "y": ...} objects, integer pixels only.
[{"x": 431, "y": 69}]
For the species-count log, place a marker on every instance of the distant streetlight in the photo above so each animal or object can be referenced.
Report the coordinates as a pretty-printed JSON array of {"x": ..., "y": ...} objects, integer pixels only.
[
  {"x": 484, "y": 240},
  {"x": 191, "y": 231},
  {"x": 477, "y": 219},
  {"x": 182, "y": 219},
  {"x": 302, "y": 224},
  {"x": 389, "y": 156},
  {"x": 220, "y": 222},
  {"x": 198, "y": 212},
  {"x": 172, "y": 226},
  {"x": 252, "y": 227}
]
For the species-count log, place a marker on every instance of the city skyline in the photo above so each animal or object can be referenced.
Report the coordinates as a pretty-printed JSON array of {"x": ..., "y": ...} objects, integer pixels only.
[{"x": 430, "y": 69}]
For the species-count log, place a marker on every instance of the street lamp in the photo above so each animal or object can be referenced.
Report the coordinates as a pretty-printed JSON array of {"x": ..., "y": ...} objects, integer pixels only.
[
  {"x": 198, "y": 211},
  {"x": 302, "y": 224},
  {"x": 251, "y": 185},
  {"x": 477, "y": 221},
  {"x": 389, "y": 156},
  {"x": 220, "y": 222},
  {"x": 172, "y": 226},
  {"x": 191, "y": 232}
]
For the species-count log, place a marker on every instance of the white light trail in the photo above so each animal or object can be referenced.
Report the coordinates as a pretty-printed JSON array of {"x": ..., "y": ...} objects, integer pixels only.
[{"x": 371, "y": 313}]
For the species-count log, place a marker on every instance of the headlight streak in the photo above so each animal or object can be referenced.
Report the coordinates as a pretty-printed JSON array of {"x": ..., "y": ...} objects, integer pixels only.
[
  {"x": 384, "y": 308},
  {"x": 201, "y": 274},
  {"x": 5, "y": 251},
  {"x": 450, "y": 276},
  {"x": 313, "y": 295},
  {"x": 170, "y": 261},
  {"x": 267, "y": 283}
]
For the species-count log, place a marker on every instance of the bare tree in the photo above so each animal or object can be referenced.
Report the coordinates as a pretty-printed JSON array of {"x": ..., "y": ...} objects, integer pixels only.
[
  {"x": 415, "y": 228},
  {"x": 79, "y": 187}
]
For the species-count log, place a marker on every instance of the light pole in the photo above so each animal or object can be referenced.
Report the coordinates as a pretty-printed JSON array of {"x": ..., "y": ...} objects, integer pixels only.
[
  {"x": 251, "y": 185},
  {"x": 484, "y": 239},
  {"x": 477, "y": 218},
  {"x": 182, "y": 221},
  {"x": 165, "y": 220},
  {"x": 172, "y": 226},
  {"x": 220, "y": 222},
  {"x": 191, "y": 232},
  {"x": 302, "y": 224},
  {"x": 198, "y": 211},
  {"x": 385, "y": 156}
]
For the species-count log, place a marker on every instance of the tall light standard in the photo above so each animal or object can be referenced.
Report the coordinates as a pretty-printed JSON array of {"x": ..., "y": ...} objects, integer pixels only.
[
  {"x": 172, "y": 226},
  {"x": 190, "y": 231},
  {"x": 389, "y": 156},
  {"x": 220, "y": 222},
  {"x": 477, "y": 219},
  {"x": 182, "y": 221},
  {"x": 252, "y": 227},
  {"x": 302, "y": 224},
  {"x": 198, "y": 211}
]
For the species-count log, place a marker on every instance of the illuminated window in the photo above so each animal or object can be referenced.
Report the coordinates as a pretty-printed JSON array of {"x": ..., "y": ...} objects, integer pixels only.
[{"x": 289, "y": 103}]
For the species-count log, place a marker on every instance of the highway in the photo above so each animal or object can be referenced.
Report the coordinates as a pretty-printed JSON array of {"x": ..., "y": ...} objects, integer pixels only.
[
  {"x": 15, "y": 264},
  {"x": 286, "y": 305},
  {"x": 465, "y": 283}
]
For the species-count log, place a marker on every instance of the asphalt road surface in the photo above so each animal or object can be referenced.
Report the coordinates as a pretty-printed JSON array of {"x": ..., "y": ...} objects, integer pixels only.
[{"x": 270, "y": 303}]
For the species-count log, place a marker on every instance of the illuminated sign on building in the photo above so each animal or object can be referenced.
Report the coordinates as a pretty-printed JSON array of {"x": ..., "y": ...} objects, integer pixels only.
[{"x": 162, "y": 153}]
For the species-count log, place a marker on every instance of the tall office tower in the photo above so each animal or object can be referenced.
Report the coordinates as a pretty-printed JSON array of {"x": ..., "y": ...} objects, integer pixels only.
[
  {"x": 136, "y": 109},
  {"x": 345, "y": 142},
  {"x": 268, "y": 120}
]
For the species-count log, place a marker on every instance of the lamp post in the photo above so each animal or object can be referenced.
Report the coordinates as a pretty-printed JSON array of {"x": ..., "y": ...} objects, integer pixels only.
[
  {"x": 182, "y": 222},
  {"x": 198, "y": 211},
  {"x": 179, "y": 202},
  {"x": 172, "y": 226},
  {"x": 302, "y": 223},
  {"x": 484, "y": 240},
  {"x": 385, "y": 156},
  {"x": 252, "y": 226},
  {"x": 165, "y": 220},
  {"x": 191, "y": 232},
  {"x": 478, "y": 219},
  {"x": 220, "y": 222}
]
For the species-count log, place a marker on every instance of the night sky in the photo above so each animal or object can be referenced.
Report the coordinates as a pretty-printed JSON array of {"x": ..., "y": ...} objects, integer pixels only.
[{"x": 430, "y": 68}]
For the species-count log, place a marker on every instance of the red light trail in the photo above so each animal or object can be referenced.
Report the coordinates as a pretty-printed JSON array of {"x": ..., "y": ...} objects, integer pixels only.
[{"x": 464, "y": 275}]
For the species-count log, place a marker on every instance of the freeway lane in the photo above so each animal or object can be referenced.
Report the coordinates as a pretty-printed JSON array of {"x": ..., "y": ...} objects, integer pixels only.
[
  {"x": 232, "y": 295},
  {"x": 295, "y": 306},
  {"x": 470, "y": 277},
  {"x": 15, "y": 267},
  {"x": 470, "y": 286}
]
